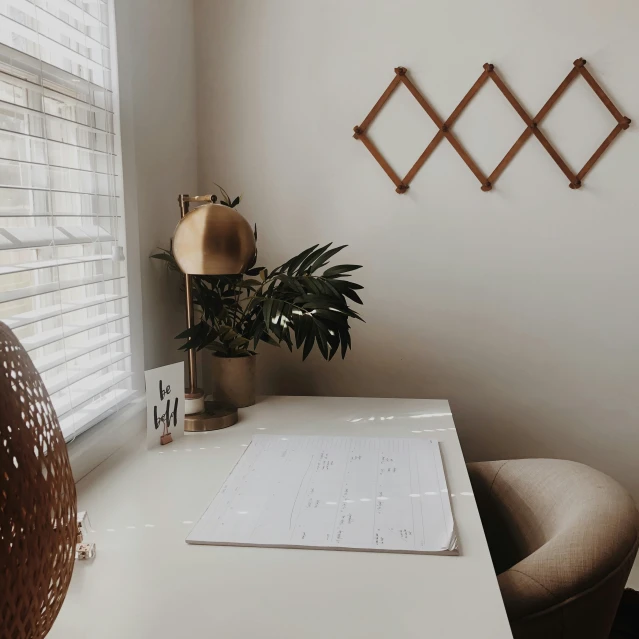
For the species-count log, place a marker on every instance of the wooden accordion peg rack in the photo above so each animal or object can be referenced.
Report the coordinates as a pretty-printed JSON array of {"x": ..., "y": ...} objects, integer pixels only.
[{"x": 532, "y": 127}]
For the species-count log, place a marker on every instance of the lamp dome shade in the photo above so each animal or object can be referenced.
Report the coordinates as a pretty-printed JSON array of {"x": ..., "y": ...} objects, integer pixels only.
[{"x": 213, "y": 239}]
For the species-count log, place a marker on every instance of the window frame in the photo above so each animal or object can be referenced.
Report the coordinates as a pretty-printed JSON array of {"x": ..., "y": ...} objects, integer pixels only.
[{"x": 128, "y": 233}]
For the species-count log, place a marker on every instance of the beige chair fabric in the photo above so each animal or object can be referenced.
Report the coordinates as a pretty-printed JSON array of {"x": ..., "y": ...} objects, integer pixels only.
[{"x": 563, "y": 538}]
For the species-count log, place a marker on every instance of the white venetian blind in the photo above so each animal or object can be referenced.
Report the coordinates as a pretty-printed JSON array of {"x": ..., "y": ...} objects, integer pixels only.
[{"x": 62, "y": 289}]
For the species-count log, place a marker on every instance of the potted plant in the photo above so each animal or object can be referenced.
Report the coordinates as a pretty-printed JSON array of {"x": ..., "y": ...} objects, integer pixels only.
[{"x": 303, "y": 303}]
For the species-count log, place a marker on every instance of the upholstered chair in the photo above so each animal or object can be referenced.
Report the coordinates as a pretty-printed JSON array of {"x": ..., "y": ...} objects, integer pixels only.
[{"x": 563, "y": 538}]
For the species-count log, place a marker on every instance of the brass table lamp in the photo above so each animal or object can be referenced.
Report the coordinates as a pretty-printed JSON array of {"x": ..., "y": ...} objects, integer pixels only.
[{"x": 212, "y": 239}]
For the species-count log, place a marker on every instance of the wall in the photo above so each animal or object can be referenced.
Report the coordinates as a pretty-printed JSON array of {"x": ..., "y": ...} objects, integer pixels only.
[
  {"x": 156, "y": 74},
  {"x": 158, "y": 90},
  {"x": 519, "y": 305}
]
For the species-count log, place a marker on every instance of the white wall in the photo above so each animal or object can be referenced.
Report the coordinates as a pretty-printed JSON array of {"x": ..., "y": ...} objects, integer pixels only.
[
  {"x": 156, "y": 74},
  {"x": 520, "y": 305},
  {"x": 156, "y": 64}
]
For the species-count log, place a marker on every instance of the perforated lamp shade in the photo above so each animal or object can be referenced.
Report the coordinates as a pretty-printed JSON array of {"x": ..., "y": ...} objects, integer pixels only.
[{"x": 213, "y": 239}]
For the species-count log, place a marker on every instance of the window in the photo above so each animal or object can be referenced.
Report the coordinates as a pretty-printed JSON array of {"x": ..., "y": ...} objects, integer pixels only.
[{"x": 63, "y": 286}]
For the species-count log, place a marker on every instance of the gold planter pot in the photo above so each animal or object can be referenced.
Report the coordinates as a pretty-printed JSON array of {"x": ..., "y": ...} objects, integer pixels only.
[{"x": 234, "y": 380}]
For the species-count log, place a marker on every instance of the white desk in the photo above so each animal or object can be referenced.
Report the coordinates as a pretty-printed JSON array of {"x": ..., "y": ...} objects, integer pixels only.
[{"x": 147, "y": 583}]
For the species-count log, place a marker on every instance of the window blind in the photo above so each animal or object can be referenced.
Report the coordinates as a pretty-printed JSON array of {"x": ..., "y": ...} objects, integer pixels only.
[{"x": 63, "y": 288}]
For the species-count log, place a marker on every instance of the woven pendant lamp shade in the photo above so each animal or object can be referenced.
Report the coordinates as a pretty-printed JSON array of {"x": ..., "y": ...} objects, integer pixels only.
[{"x": 38, "y": 526}]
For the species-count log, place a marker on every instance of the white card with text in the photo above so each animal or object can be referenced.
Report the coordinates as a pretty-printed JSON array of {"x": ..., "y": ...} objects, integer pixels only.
[{"x": 164, "y": 404}]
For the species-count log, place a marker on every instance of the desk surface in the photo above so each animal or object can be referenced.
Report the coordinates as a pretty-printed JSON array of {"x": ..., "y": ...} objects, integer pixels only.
[{"x": 147, "y": 583}]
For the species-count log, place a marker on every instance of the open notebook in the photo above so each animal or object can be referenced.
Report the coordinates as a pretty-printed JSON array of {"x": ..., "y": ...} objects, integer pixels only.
[{"x": 336, "y": 493}]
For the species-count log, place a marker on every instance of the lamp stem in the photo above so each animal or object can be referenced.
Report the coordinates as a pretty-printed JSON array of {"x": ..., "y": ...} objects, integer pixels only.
[{"x": 183, "y": 201}]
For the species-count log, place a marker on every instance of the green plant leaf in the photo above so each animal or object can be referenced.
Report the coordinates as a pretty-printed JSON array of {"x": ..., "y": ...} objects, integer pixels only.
[
  {"x": 291, "y": 266},
  {"x": 310, "y": 302},
  {"x": 216, "y": 348},
  {"x": 163, "y": 256},
  {"x": 352, "y": 295},
  {"x": 196, "y": 336},
  {"x": 322, "y": 344},
  {"x": 302, "y": 327},
  {"x": 265, "y": 337},
  {"x": 351, "y": 285},
  {"x": 336, "y": 271},
  {"x": 309, "y": 309},
  {"x": 286, "y": 338},
  {"x": 189, "y": 332},
  {"x": 303, "y": 267},
  {"x": 266, "y": 310},
  {"x": 337, "y": 318},
  {"x": 308, "y": 346},
  {"x": 343, "y": 334},
  {"x": 249, "y": 284},
  {"x": 312, "y": 284},
  {"x": 290, "y": 281},
  {"x": 225, "y": 195},
  {"x": 239, "y": 342},
  {"x": 323, "y": 259}
]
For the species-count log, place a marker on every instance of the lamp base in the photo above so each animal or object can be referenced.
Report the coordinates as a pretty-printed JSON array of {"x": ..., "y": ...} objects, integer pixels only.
[
  {"x": 214, "y": 417},
  {"x": 194, "y": 401}
]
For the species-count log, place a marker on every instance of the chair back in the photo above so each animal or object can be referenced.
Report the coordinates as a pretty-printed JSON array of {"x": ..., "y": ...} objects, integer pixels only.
[{"x": 563, "y": 538}]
